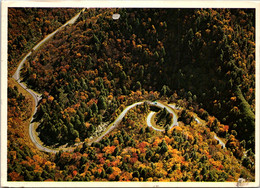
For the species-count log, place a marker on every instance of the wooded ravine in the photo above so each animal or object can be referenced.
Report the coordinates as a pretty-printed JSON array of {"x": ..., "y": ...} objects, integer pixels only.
[{"x": 199, "y": 63}]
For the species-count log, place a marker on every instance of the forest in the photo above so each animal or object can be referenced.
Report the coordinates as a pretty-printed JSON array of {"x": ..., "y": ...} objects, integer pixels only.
[
  {"x": 26, "y": 26},
  {"x": 200, "y": 60}
]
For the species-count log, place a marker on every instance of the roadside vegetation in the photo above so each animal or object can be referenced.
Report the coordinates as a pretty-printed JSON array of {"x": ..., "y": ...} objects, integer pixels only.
[
  {"x": 201, "y": 60},
  {"x": 27, "y": 26},
  {"x": 163, "y": 119}
]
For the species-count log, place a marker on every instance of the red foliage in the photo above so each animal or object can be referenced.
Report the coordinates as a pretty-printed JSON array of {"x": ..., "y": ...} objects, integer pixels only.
[{"x": 74, "y": 172}]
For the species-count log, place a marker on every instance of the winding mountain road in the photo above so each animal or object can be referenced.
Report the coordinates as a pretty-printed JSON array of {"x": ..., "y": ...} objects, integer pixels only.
[
  {"x": 123, "y": 113},
  {"x": 161, "y": 105},
  {"x": 36, "y": 96},
  {"x": 215, "y": 136},
  {"x": 219, "y": 141},
  {"x": 199, "y": 121}
]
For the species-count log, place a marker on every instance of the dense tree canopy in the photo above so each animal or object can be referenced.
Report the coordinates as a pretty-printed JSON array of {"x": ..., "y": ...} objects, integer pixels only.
[
  {"x": 26, "y": 26},
  {"x": 200, "y": 60}
]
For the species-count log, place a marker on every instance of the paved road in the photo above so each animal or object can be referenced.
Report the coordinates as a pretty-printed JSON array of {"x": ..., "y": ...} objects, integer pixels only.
[
  {"x": 215, "y": 136},
  {"x": 71, "y": 21},
  {"x": 148, "y": 120},
  {"x": 198, "y": 121},
  {"x": 167, "y": 107},
  {"x": 16, "y": 75},
  {"x": 117, "y": 121},
  {"x": 36, "y": 96},
  {"x": 121, "y": 116},
  {"x": 220, "y": 141},
  {"x": 174, "y": 106}
]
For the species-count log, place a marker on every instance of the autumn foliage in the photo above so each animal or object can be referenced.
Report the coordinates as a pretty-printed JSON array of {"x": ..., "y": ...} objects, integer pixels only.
[{"x": 202, "y": 60}]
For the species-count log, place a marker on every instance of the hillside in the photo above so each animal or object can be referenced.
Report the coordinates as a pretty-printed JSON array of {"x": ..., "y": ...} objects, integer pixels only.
[
  {"x": 200, "y": 63},
  {"x": 26, "y": 26},
  {"x": 214, "y": 59}
]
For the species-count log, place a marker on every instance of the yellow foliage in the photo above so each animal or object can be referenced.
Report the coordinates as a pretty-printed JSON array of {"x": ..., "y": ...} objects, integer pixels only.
[
  {"x": 50, "y": 98},
  {"x": 198, "y": 35},
  {"x": 207, "y": 31},
  {"x": 77, "y": 140}
]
